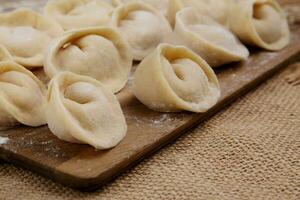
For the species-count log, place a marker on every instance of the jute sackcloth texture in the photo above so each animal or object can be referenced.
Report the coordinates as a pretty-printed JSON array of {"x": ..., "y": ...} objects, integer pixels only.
[{"x": 250, "y": 150}]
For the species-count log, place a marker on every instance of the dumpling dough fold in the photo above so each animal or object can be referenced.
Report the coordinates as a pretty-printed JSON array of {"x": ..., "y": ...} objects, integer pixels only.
[
  {"x": 260, "y": 23},
  {"x": 113, "y": 3},
  {"x": 81, "y": 110},
  {"x": 99, "y": 52},
  {"x": 73, "y": 14},
  {"x": 142, "y": 26},
  {"x": 22, "y": 96},
  {"x": 4, "y": 54},
  {"x": 173, "y": 78},
  {"x": 216, "y": 9},
  {"x": 26, "y": 35},
  {"x": 168, "y": 8},
  {"x": 207, "y": 38}
]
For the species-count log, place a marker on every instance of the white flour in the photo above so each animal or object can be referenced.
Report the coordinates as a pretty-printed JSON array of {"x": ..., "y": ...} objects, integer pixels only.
[{"x": 3, "y": 140}]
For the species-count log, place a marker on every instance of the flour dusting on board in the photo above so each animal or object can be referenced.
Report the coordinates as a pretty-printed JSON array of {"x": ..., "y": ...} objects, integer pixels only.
[
  {"x": 3, "y": 140},
  {"x": 168, "y": 121}
]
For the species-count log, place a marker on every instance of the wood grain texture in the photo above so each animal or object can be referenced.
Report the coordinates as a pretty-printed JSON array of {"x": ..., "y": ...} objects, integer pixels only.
[{"x": 82, "y": 167}]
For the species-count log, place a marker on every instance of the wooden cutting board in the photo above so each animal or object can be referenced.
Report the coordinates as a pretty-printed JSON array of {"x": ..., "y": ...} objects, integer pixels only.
[{"x": 82, "y": 167}]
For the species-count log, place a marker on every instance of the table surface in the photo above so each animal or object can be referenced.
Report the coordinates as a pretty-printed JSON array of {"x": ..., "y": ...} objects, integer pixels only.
[{"x": 249, "y": 150}]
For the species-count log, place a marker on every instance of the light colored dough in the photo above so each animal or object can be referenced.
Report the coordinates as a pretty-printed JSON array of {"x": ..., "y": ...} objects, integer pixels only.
[
  {"x": 22, "y": 96},
  {"x": 168, "y": 8},
  {"x": 4, "y": 54},
  {"x": 26, "y": 35},
  {"x": 73, "y": 14},
  {"x": 173, "y": 78},
  {"x": 173, "y": 7},
  {"x": 81, "y": 110},
  {"x": 113, "y": 3},
  {"x": 216, "y": 9},
  {"x": 260, "y": 23},
  {"x": 142, "y": 26},
  {"x": 207, "y": 38},
  {"x": 100, "y": 53}
]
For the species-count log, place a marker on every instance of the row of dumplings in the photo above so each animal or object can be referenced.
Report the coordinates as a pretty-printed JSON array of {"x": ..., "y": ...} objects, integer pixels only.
[
  {"x": 77, "y": 109},
  {"x": 211, "y": 28},
  {"x": 87, "y": 49}
]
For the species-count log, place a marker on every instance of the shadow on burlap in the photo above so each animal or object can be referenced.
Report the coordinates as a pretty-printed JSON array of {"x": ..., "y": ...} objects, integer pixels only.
[{"x": 248, "y": 151}]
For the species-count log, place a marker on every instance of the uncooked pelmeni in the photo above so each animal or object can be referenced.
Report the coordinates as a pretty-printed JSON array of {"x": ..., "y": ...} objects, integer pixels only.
[
  {"x": 113, "y": 3},
  {"x": 207, "y": 38},
  {"x": 142, "y": 26},
  {"x": 260, "y": 23},
  {"x": 4, "y": 54},
  {"x": 26, "y": 34},
  {"x": 22, "y": 96},
  {"x": 168, "y": 8},
  {"x": 216, "y": 9},
  {"x": 97, "y": 52},
  {"x": 81, "y": 110},
  {"x": 72, "y": 14},
  {"x": 173, "y": 78}
]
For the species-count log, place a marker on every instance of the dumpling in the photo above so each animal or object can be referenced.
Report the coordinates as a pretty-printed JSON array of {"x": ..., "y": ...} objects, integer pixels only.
[
  {"x": 26, "y": 35},
  {"x": 22, "y": 96},
  {"x": 72, "y": 14},
  {"x": 173, "y": 7},
  {"x": 113, "y": 3},
  {"x": 142, "y": 26},
  {"x": 81, "y": 110},
  {"x": 97, "y": 52},
  {"x": 260, "y": 23},
  {"x": 173, "y": 78},
  {"x": 168, "y": 8},
  {"x": 207, "y": 38},
  {"x": 216, "y": 9},
  {"x": 4, "y": 54}
]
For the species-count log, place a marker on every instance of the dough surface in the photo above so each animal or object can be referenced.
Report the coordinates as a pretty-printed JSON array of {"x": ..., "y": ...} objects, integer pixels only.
[
  {"x": 168, "y": 8},
  {"x": 216, "y": 9},
  {"x": 113, "y": 3},
  {"x": 142, "y": 26},
  {"x": 100, "y": 53},
  {"x": 73, "y": 14},
  {"x": 22, "y": 96},
  {"x": 173, "y": 78},
  {"x": 4, "y": 54},
  {"x": 207, "y": 38},
  {"x": 26, "y": 35},
  {"x": 81, "y": 110},
  {"x": 260, "y": 23}
]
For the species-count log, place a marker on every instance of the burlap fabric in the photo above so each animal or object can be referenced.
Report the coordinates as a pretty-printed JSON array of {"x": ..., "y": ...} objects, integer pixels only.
[{"x": 250, "y": 150}]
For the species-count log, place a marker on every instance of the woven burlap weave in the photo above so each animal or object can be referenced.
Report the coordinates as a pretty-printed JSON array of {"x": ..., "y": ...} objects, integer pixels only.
[{"x": 250, "y": 150}]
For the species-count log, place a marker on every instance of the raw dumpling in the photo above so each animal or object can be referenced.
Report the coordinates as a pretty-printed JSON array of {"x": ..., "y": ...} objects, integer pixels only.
[
  {"x": 173, "y": 7},
  {"x": 72, "y": 14},
  {"x": 207, "y": 38},
  {"x": 173, "y": 78},
  {"x": 26, "y": 35},
  {"x": 216, "y": 9},
  {"x": 97, "y": 52},
  {"x": 22, "y": 96},
  {"x": 261, "y": 23},
  {"x": 81, "y": 110},
  {"x": 113, "y": 3},
  {"x": 4, "y": 54},
  {"x": 168, "y": 8},
  {"x": 142, "y": 26}
]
